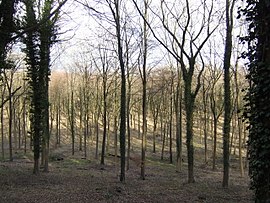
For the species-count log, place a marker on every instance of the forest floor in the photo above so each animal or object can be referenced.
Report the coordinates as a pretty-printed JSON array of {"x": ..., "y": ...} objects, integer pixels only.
[{"x": 74, "y": 179}]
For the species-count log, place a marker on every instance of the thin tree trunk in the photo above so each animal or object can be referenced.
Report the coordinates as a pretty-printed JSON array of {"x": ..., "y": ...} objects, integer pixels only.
[
  {"x": 139, "y": 123},
  {"x": 227, "y": 92},
  {"x": 189, "y": 104},
  {"x": 240, "y": 147},
  {"x": 163, "y": 139},
  {"x": 155, "y": 115},
  {"x": 24, "y": 126},
  {"x": 81, "y": 125},
  {"x": 2, "y": 133},
  {"x": 72, "y": 123},
  {"x": 59, "y": 127},
  {"x": 115, "y": 139},
  {"x": 56, "y": 127},
  {"x": 10, "y": 128},
  {"x": 178, "y": 116},
  {"x": 215, "y": 144},
  {"x": 128, "y": 133},
  {"x": 104, "y": 122},
  {"x": 97, "y": 136},
  {"x": 206, "y": 121},
  {"x": 171, "y": 120}
]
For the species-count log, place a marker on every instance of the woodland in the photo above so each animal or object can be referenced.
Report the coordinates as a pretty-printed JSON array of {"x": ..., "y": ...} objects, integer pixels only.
[{"x": 134, "y": 101}]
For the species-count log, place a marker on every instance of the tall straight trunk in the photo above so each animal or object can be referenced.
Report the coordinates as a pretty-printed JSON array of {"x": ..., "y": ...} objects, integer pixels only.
[
  {"x": 116, "y": 14},
  {"x": 57, "y": 126},
  {"x": 97, "y": 136},
  {"x": 108, "y": 133},
  {"x": 123, "y": 124},
  {"x": 115, "y": 123},
  {"x": 2, "y": 123},
  {"x": 144, "y": 95},
  {"x": 2, "y": 133},
  {"x": 104, "y": 122},
  {"x": 155, "y": 117},
  {"x": 36, "y": 133},
  {"x": 128, "y": 105},
  {"x": 139, "y": 123},
  {"x": 240, "y": 147},
  {"x": 189, "y": 106},
  {"x": 215, "y": 144},
  {"x": 144, "y": 107},
  {"x": 128, "y": 127},
  {"x": 86, "y": 127},
  {"x": 24, "y": 125},
  {"x": 81, "y": 125},
  {"x": 171, "y": 120},
  {"x": 115, "y": 139},
  {"x": 205, "y": 123},
  {"x": 239, "y": 121},
  {"x": 227, "y": 92},
  {"x": 10, "y": 127},
  {"x": 46, "y": 135},
  {"x": 72, "y": 122},
  {"x": 19, "y": 131},
  {"x": 163, "y": 135},
  {"x": 178, "y": 117},
  {"x": 233, "y": 127},
  {"x": 14, "y": 128}
]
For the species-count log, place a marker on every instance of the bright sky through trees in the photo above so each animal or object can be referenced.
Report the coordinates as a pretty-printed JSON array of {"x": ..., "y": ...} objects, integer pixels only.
[{"x": 85, "y": 22}]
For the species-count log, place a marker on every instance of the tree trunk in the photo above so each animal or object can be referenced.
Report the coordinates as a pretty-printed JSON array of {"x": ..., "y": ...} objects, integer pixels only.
[
  {"x": 163, "y": 135},
  {"x": 2, "y": 133},
  {"x": 128, "y": 121},
  {"x": 171, "y": 120},
  {"x": 81, "y": 124},
  {"x": 24, "y": 126},
  {"x": 189, "y": 105},
  {"x": 155, "y": 117},
  {"x": 227, "y": 93},
  {"x": 144, "y": 107},
  {"x": 10, "y": 125},
  {"x": 115, "y": 139},
  {"x": 139, "y": 123},
  {"x": 178, "y": 117},
  {"x": 104, "y": 122},
  {"x": 57, "y": 126},
  {"x": 206, "y": 121},
  {"x": 215, "y": 143},
  {"x": 72, "y": 123},
  {"x": 97, "y": 136},
  {"x": 116, "y": 14}
]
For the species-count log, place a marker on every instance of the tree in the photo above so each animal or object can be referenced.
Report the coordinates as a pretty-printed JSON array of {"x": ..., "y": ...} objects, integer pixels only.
[
  {"x": 216, "y": 106},
  {"x": 38, "y": 43},
  {"x": 178, "y": 117},
  {"x": 114, "y": 6},
  {"x": 143, "y": 73},
  {"x": 180, "y": 31},
  {"x": 12, "y": 65},
  {"x": 257, "y": 15},
  {"x": 105, "y": 64},
  {"x": 7, "y": 27},
  {"x": 227, "y": 92},
  {"x": 206, "y": 120},
  {"x": 32, "y": 60},
  {"x": 11, "y": 27}
]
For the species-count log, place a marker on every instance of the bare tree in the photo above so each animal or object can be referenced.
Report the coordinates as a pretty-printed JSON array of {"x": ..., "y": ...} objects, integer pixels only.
[
  {"x": 179, "y": 27},
  {"x": 227, "y": 91},
  {"x": 114, "y": 6}
]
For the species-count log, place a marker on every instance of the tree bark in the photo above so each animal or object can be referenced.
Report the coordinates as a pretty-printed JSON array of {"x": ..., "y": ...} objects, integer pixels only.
[{"x": 227, "y": 93}]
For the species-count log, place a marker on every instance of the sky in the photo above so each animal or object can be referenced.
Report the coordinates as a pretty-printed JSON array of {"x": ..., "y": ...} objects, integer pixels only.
[{"x": 82, "y": 33}]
